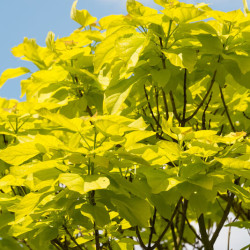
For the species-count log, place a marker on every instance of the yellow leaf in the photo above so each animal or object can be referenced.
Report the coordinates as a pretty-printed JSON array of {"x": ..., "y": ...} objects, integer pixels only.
[
  {"x": 81, "y": 16},
  {"x": 12, "y": 73}
]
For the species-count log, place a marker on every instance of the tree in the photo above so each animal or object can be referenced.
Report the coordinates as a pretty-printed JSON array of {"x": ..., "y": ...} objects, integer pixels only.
[{"x": 133, "y": 127}]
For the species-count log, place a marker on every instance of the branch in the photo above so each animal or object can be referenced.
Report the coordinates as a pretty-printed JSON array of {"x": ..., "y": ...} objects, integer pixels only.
[
  {"x": 204, "y": 112},
  {"x": 223, "y": 219},
  {"x": 184, "y": 210},
  {"x": 193, "y": 230},
  {"x": 226, "y": 109},
  {"x": 157, "y": 105},
  {"x": 165, "y": 103},
  {"x": 23, "y": 241},
  {"x": 139, "y": 238},
  {"x": 71, "y": 237},
  {"x": 150, "y": 108},
  {"x": 204, "y": 98},
  {"x": 174, "y": 237},
  {"x": 174, "y": 107},
  {"x": 157, "y": 243},
  {"x": 246, "y": 115},
  {"x": 204, "y": 235},
  {"x": 152, "y": 229},
  {"x": 185, "y": 99},
  {"x": 97, "y": 242}
]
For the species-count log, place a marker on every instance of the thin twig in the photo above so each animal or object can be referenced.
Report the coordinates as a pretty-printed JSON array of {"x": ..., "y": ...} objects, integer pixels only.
[
  {"x": 139, "y": 238},
  {"x": 182, "y": 227},
  {"x": 204, "y": 112},
  {"x": 165, "y": 103},
  {"x": 152, "y": 229},
  {"x": 185, "y": 99},
  {"x": 157, "y": 106},
  {"x": 157, "y": 243},
  {"x": 174, "y": 107},
  {"x": 223, "y": 219},
  {"x": 246, "y": 115},
  {"x": 228, "y": 238},
  {"x": 204, "y": 98},
  {"x": 193, "y": 230},
  {"x": 174, "y": 236},
  {"x": 226, "y": 109},
  {"x": 150, "y": 108},
  {"x": 151, "y": 125},
  {"x": 97, "y": 241},
  {"x": 71, "y": 237}
]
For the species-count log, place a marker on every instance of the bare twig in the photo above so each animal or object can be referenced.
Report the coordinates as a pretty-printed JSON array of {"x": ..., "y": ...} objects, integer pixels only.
[
  {"x": 152, "y": 229},
  {"x": 165, "y": 103},
  {"x": 204, "y": 235},
  {"x": 184, "y": 212},
  {"x": 226, "y": 109},
  {"x": 157, "y": 243},
  {"x": 204, "y": 112},
  {"x": 174, "y": 236},
  {"x": 174, "y": 107},
  {"x": 139, "y": 238},
  {"x": 204, "y": 98},
  {"x": 71, "y": 237},
  {"x": 150, "y": 108},
  {"x": 185, "y": 99}
]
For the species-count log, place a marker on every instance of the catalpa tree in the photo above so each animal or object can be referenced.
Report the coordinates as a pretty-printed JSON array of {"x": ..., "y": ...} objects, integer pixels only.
[{"x": 134, "y": 132}]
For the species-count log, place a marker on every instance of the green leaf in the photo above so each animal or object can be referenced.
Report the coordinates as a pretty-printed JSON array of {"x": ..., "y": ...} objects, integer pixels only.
[
  {"x": 73, "y": 182},
  {"x": 16, "y": 155},
  {"x": 161, "y": 77},
  {"x": 84, "y": 184},
  {"x": 234, "y": 163},
  {"x": 12, "y": 73},
  {"x": 81, "y": 16},
  {"x": 136, "y": 136},
  {"x": 136, "y": 211},
  {"x": 239, "y": 224},
  {"x": 27, "y": 205},
  {"x": 97, "y": 214}
]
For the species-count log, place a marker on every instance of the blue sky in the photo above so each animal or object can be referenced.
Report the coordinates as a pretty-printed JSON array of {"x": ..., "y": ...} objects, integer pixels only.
[{"x": 34, "y": 18}]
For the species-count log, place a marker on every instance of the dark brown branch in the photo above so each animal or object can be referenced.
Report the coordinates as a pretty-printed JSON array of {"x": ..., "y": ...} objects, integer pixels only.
[
  {"x": 152, "y": 229},
  {"x": 165, "y": 103},
  {"x": 223, "y": 219},
  {"x": 151, "y": 125},
  {"x": 204, "y": 235},
  {"x": 139, "y": 238},
  {"x": 157, "y": 106},
  {"x": 71, "y": 237},
  {"x": 157, "y": 243},
  {"x": 174, "y": 107},
  {"x": 182, "y": 227},
  {"x": 97, "y": 241},
  {"x": 89, "y": 111},
  {"x": 162, "y": 55},
  {"x": 246, "y": 115},
  {"x": 150, "y": 108},
  {"x": 24, "y": 242},
  {"x": 204, "y": 98},
  {"x": 59, "y": 243},
  {"x": 185, "y": 99},
  {"x": 226, "y": 109},
  {"x": 174, "y": 236},
  {"x": 204, "y": 112},
  {"x": 193, "y": 230},
  {"x": 54, "y": 244}
]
